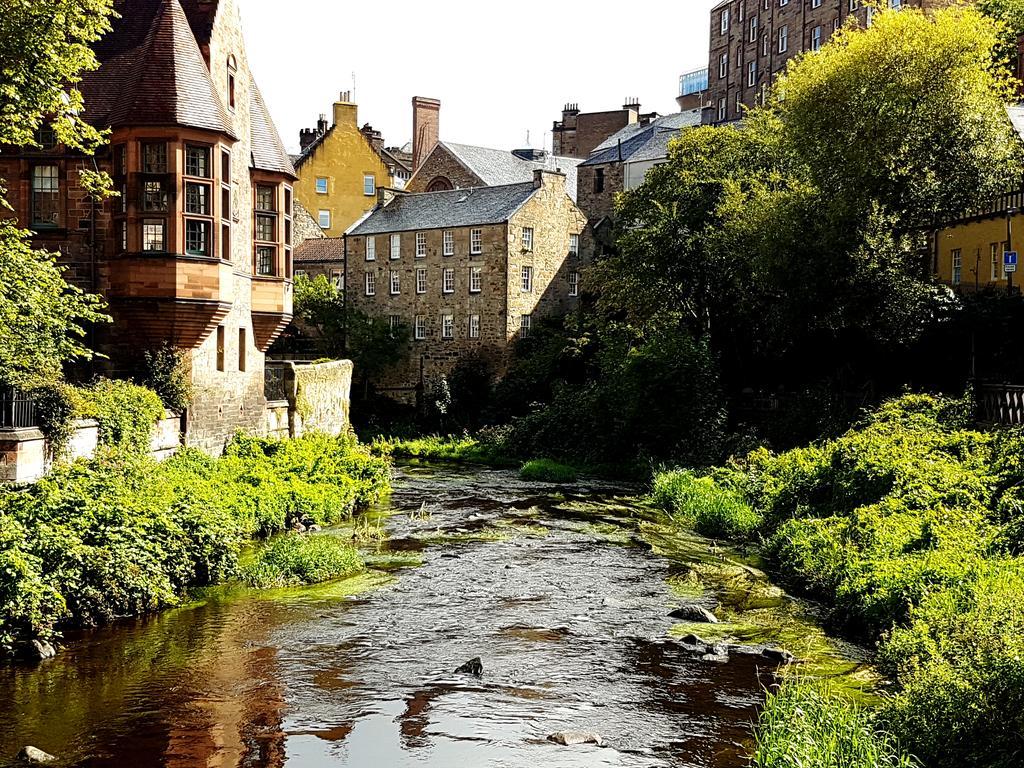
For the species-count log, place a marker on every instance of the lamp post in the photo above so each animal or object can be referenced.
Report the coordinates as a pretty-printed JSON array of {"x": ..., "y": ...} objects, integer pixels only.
[{"x": 1010, "y": 212}]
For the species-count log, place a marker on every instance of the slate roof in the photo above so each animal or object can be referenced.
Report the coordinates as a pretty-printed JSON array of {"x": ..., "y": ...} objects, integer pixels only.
[
  {"x": 155, "y": 78},
  {"x": 268, "y": 152},
  {"x": 452, "y": 208},
  {"x": 1016, "y": 114},
  {"x": 643, "y": 142},
  {"x": 320, "y": 249},
  {"x": 496, "y": 166}
]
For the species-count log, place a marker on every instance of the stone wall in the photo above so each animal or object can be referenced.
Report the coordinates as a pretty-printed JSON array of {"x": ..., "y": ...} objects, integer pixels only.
[
  {"x": 442, "y": 164},
  {"x": 594, "y": 204},
  {"x": 322, "y": 397}
]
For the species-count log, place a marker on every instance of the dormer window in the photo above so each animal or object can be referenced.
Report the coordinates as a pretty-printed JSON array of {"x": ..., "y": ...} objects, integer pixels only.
[{"x": 232, "y": 77}]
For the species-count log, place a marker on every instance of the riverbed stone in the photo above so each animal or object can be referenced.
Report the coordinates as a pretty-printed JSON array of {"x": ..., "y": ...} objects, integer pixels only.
[
  {"x": 473, "y": 667},
  {"x": 695, "y": 613},
  {"x": 576, "y": 738},
  {"x": 778, "y": 655},
  {"x": 33, "y": 756}
]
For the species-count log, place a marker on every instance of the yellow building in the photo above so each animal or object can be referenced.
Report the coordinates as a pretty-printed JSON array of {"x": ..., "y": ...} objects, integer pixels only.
[
  {"x": 341, "y": 167},
  {"x": 969, "y": 250}
]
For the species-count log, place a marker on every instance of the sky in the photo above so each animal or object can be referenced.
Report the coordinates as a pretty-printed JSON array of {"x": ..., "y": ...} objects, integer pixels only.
[{"x": 501, "y": 70}]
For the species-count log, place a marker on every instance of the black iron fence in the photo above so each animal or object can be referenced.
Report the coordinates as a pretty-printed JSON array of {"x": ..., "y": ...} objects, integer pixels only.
[
  {"x": 17, "y": 409},
  {"x": 1000, "y": 404},
  {"x": 273, "y": 382}
]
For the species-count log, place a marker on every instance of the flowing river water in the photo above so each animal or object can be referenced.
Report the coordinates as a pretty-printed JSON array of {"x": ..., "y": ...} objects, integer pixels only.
[{"x": 563, "y": 592}]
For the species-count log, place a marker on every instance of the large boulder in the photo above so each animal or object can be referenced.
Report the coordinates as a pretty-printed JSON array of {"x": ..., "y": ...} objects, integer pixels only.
[
  {"x": 473, "y": 667},
  {"x": 32, "y": 756},
  {"x": 694, "y": 613},
  {"x": 576, "y": 738}
]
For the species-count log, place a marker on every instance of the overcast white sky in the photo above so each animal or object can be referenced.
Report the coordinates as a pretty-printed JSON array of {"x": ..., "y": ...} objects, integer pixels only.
[{"x": 500, "y": 69}]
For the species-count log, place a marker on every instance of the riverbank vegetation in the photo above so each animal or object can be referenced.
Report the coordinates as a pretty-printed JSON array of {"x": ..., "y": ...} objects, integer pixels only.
[
  {"x": 123, "y": 535},
  {"x": 294, "y": 559},
  {"x": 909, "y": 529}
]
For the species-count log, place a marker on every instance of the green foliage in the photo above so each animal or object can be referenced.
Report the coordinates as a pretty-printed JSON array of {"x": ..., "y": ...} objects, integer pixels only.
[
  {"x": 453, "y": 448},
  {"x": 58, "y": 407},
  {"x": 293, "y": 559},
  {"x": 704, "y": 504},
  {"x": 126, "y": 413},
  {"x": 806, "y": 725},
  {"x": 165, "y": 374},
  {"x": 546, "y": 470},
  {"x": 123, "y": 535}
]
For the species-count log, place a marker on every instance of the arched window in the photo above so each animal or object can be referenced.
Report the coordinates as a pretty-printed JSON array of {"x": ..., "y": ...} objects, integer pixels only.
[
  {"x": 440, "y": 184},
  {"x": 232, "y": 76}
]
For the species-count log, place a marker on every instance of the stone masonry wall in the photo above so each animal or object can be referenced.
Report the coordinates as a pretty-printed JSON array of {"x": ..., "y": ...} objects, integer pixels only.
[
  {"x": 442, "y": 164},
  {"x": 597, "y": 205}
]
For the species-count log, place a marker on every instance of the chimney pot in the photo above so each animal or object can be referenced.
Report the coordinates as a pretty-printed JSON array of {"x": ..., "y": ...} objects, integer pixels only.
[{"x": 426, "y": 128}]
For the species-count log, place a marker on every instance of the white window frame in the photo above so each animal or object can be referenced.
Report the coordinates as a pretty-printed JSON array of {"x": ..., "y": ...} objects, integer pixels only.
[
  {"x": 476, "y": 279},
  {"x": 525, "y": 325},
  {"x": 784, "y": 38},
  {"x": 370, "y": 284},
  {"x": 396, "y": 246},
  {"x": 420, "y": 328},
  {"x": 574, "y": 245},
  {"x": 371, "y": 248},
  {"x": 476, "y": 241},
  {"x": 526, "y": 278},
  {"x": 321, "y": 185},
  {"x": 322, "y": 216},
  {"x": 369, "y": 184},
  {"x": 574, "y": 283},
  {"x": 448, "y": 242},
  {"x": 528, "y": 239},
  {"x": 474, "y": 326},
  {"x": 421, "y": 280},
  {"x": 447, "y": 327},
  {"x": 448, "y": 280},
  {"x": 421, "y": 245},
  {"x": 395, "y": 283}
]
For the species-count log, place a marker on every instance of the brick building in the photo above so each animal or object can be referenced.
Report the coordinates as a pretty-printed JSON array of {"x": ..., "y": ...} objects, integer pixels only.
[
  {"x": 464, "y": 270},
  {"x": 752, "y": 41},
  {"x": 196, "y": 251},
  {"x": 341, "y": 166},
  {"x": 578, "y": 134}
]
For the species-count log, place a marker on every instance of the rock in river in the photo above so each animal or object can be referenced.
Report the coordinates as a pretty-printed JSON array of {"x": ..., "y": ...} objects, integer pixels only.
[
  {"x": 694, "y": 613},
  {"x": 778, "y": 655},
  {"x": 472, "y": 667},
  {"x": 33, "y": 756},
  {"x": 575, "y": 738}
]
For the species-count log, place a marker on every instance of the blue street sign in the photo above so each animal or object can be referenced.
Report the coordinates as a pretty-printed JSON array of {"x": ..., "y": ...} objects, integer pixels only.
[{"x": 1009, "y": 261}]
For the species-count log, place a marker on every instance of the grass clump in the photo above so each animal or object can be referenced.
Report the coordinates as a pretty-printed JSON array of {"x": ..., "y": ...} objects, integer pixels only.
[
  {"x": 292, "y": 559},
  {"x": 452, "y": 448},
  {"x": 547, "y": 470},
  {"x": 703, "y": 504},
  {"x": 805, "y": 725}
]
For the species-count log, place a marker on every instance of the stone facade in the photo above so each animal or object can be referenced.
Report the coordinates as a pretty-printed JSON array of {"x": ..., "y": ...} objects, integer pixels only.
[
  {"x": 442, "y": 170},
  {"x": 752, "y": 41},
  {"x": 598, "y": 186},
  {"x": 484, "y": 320}
]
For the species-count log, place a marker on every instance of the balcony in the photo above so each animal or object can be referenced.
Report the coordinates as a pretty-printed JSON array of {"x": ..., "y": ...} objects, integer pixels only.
[
  {"x": 170, "y": 297},
  {"x": 271, "y": 309}
]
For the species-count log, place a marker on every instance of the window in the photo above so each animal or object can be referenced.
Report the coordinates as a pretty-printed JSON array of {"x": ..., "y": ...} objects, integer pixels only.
[
  {"x": 323, "y": 218},
  {"x": 957, "y": 266},
  {"x": 232, "y": 77},
  {"x": 751, "y": 73},
  {"x": 197, "y": 198},
  {"x": 220, "y": 347},
  {"x": 765, "y": 45},
  {"x": 574, "y": 283},
  {"x": 371, "y": 249},
  {"x": 45, "y": 195},
  {"x": 475, "y": 275},
  {"x": 448, "y": 238},
  {"x": 598, "y": 180},
  {"x": 476, "y": 245},
  {"x": 816, "y": 39},
  {"x": 753, "y": 29},
  {"x": 994, "y": 259},
  {"x": 815, "y": 3},
  {"x": 154, "y": 196},
  {"x": 396, "y": 246},
  {"x": 121, "y": 159},
  {"x": 225, "y": 241},
  {"x": 474, "y": 326},
  {"x": 197, "y": 237},
  {"x": 265, "y": 260},
  {"x": 265, "y": 197},
  {"x": 421, "y": 245},
  {"x": 528, "y": 239},
  {"x": 421, "y": 280},
  {"x": 370, "y": 284},
  {"x": 722, "y": 107},
  {"x": 447, "y": 327},
  {"x": 396, "y": 282},
  {"x": 288, "y": 263},
  {"x": 336, "y": 279},
  {"x": 448, "y": 280},
  {"x": 724, "y": 22},
  {"x": 124, "y": 236},
  {"x": 321, "y": 185},
  {"x": 154, "y": 157},
  {"x": 369, "y": 185},
  {"x": 225, "y": 166},
  {"x": 574, "y": 245},
  {"x": 524, "y": 326},
  {"x": 287, "y": 201},
  {"x": 854, "y": 5},
  {"x": 45, "y": 137},
  {"x": 739, "y": 103},
  {"x": 394, "y": 323},
  {"x": 197, "y": 161},
  {"x": 154, "y": 235},
  {"x": 265, "y": 226},
  {"x": 420, "y": 327},
  {"x": 835, "y": 24},
  {"x": 723, "y": 66},
  {"x": 783, "y": 39},
  {"x": 242, "y": 343},
  {"x": 124, "y": 198},
  {"x": 527, "y": 279}
]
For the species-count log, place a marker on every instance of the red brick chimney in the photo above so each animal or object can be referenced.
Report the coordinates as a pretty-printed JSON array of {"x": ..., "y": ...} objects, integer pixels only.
[{"x": 426, "y": 128}]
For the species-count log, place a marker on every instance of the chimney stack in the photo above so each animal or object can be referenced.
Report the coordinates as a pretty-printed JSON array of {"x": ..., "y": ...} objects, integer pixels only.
[
  {"x": 426, "y": 128},
  {"x": 376, "y": 138},
  {"x": 632, "y": 103}
]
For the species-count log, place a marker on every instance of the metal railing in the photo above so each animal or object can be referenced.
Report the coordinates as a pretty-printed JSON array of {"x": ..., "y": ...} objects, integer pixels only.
[
  {"x": 1001, "y": 404},
  {"x": 273, "y": 382},
  {"x": 17, "y": 409}
]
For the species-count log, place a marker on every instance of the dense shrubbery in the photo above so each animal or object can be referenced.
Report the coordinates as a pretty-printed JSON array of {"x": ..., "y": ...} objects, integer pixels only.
[
  {"x": 294, "y": 559},
  {"x": 908, "y": 527},
  {"x": 122, "y": 535},
  {"x": 457, "y": 449},
  {"x": 701, "y": 503},
  {"x": 125, "y": 412}
]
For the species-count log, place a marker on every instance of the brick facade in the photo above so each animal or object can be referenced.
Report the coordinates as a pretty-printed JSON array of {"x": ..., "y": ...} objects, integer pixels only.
[
  {"x": 746, "y": 54},
  {"x": 578, "y": 134}
]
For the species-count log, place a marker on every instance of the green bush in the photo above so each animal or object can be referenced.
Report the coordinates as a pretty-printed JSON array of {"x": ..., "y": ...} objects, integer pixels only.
[
  {"x": 546, "y": 470},
  {"x": 58, "y": 407},
  {"x": 702, "y": 503},
  {"x": 805, "y": 725},
  {"x": 453, "y": 448},
  {"x": 292, "y": 559},
  {"x": 164, "y": 372},
  {"x": 126, "y": 413}
]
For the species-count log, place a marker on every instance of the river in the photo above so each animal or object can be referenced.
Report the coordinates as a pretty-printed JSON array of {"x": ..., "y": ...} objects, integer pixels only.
[{"x": 558, "y": 590}]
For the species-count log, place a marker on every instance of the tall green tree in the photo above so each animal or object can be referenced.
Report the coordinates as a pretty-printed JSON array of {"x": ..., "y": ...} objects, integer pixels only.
[{"x": 44, "y": 48}]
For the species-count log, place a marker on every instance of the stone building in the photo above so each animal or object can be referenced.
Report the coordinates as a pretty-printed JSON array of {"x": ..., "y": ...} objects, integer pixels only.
[
  {"x": 443, "y": 165},
  {"x": 578, "y": 134},
  {"x": 341, "y": 166},
  {"x": 465, "y": 270},
  {"x": 325, "y": 256},
  {"x": 196, "y": 251},
  {"x": 752, "y": 41},
  {"x": 621, "y": 163}
]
